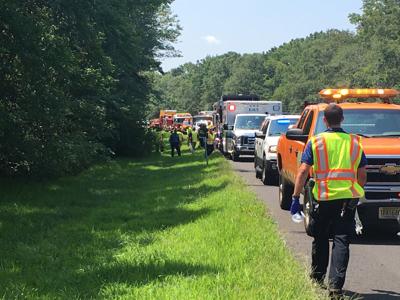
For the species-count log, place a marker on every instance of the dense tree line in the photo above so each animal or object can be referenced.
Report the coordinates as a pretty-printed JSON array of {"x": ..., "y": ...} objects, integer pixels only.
[
  {"x": 72, "y": 80},
  {"x": 297, "y": 70}
]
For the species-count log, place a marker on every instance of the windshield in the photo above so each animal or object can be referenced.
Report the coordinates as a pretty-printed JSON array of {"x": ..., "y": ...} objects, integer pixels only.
[
  {"x": 367, "y": 122},
  {"x": 280, "y": 126},
  {"x": 184, "y": 121},
  {"x": 249, "y": 122},
  {"x": 202, "y": 118}
]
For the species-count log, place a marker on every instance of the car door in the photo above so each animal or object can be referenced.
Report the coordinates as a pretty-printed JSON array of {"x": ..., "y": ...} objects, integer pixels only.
[
  {"x": 265, "y": 140},
  {"x": 293, "y": 149}
]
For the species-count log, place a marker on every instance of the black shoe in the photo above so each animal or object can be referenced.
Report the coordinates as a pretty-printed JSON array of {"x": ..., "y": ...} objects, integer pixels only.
[
  {"x": 336, "y": 294},
  {"x": 320, "y": 282}
]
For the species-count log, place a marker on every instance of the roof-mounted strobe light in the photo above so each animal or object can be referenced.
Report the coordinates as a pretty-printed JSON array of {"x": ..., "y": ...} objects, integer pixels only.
[{"x": 341, "y": 94}]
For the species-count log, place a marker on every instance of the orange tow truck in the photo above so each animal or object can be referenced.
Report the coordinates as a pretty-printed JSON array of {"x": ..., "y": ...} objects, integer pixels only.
[{"x": 378, "y": 125}]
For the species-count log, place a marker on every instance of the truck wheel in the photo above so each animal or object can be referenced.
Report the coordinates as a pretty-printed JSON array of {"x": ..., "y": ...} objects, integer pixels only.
[
  {"x": 235, "y": 156},
  {"x": 257, "y": 168},
  {"x": 285, "y": 193},
  {"x": 266, "y": 174},
  {"x": 306, "y": 210}
]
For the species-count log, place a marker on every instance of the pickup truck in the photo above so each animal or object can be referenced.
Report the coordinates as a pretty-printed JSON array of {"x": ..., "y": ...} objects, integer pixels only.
[
  {"x": 243, "y": 134},
  {"x": 378, "y": 124},
  {"x": 267, "y": 137}
]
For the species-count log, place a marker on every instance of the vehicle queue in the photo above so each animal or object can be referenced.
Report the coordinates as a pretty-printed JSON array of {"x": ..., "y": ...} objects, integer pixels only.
[
  {"x": 245, "y": 125},
  {"x": 340, "y": 158}
]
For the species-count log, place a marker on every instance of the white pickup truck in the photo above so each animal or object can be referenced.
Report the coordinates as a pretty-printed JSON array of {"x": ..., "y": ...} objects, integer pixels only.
[
  {"x": 237, "y": 138},
  {"x": 265, "y": 158}
]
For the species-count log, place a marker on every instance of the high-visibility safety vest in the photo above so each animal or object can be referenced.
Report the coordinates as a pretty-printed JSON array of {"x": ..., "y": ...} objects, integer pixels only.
[
  {"x": 180, "y": 134},
  {"x": 210, "y": 138},
  {"x": 336, "y": 159}
]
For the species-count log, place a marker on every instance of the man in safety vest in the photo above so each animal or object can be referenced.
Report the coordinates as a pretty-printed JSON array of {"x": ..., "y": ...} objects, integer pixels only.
[
  {"x": 210, "y": 141},
  {"x": 192, "y": 138},
  {"x": 339, "y": 173}
]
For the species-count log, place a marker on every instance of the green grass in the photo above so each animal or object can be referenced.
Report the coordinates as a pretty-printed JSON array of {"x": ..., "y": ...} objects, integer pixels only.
[{"x": 160, "y": 228}]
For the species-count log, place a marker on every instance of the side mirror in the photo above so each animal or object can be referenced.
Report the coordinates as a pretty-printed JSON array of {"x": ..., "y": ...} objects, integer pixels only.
[
  {"x": 228, "y": 127},
  {"x": 296, "y": 134},
  {"x": 260, "y": 135}
]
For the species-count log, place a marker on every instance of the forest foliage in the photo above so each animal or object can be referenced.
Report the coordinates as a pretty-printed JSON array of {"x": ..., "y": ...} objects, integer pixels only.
[
  {"x": 72, "y": 83},
  {"x": 79, "y": 78},
  {"x": 295, "y": 71}
]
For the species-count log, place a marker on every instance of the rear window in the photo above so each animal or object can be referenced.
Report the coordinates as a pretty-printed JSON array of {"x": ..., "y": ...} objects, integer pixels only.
[
  {"x": 280, "y": 126},
  {"x": 367, "y": 122}
]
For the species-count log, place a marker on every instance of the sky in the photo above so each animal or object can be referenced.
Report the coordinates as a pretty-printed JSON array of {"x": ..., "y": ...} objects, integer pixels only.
[{"x": 214, "y": 27}]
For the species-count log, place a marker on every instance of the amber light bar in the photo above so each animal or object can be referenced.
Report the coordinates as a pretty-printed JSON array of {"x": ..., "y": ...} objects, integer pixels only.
[{"x": 339, "y": 94}]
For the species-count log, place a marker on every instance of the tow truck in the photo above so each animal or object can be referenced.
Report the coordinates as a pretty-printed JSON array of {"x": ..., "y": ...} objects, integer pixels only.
[{"x": 378, "y": 124}]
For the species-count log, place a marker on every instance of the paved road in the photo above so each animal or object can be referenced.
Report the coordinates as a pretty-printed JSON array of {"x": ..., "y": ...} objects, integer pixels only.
[{"x": 374, "y": 269}]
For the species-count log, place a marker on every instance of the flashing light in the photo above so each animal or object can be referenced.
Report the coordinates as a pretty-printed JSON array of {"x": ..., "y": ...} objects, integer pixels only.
[
  {"x": 339, "y": 94},
  {"x": 231, "y": 107},
  {"x": 283, "y": 121}
]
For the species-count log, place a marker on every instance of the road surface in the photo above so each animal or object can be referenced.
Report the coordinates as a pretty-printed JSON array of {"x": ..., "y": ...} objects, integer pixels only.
[{"x": 374, "y": 268}]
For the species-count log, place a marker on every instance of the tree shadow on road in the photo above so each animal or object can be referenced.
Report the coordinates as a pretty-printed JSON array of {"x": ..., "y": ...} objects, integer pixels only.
[{"x": 380, "y": 294}]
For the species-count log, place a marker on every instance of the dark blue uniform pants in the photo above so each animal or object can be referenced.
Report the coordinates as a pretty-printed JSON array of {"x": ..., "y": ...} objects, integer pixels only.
[
  {"x": 178, "y": 149},
  {"x": 330, "y": 224}
]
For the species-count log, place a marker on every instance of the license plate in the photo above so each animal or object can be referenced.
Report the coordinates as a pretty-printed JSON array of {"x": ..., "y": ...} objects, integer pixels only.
[{"x": 389, "y": 212}]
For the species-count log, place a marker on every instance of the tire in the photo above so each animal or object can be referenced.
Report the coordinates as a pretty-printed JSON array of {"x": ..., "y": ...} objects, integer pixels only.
[
  {"x": 258, "y": 174},
  {"x": 285, "y": 193},
  {"x": 266, "y": 177},
  {"x": 306, "y": 211},
  {"x": 235, "y": 156}
]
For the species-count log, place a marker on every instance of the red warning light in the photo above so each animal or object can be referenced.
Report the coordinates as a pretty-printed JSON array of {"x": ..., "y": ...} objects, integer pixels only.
[{"x": 231, "y": 107}]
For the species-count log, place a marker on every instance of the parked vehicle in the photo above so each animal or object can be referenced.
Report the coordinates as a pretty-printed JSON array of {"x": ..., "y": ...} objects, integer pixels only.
[
  {"x": 265, "y": 162},
  {"x": 243, "y": 134},
  {"x": 236, "y": 142},
  {"x": 182, "y": 121},
  {"x": 378, "y": 124},
  {"x": 204, "y": 118},
  {"x": 166, "y": 118}
]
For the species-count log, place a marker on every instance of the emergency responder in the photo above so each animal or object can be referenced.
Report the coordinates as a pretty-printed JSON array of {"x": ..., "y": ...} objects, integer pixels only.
[
  {"x": 175, "y": 142},
  {"x": 180, "y": 133},
  {"x": 192, "y": 138},
  {"x": 203, "y": 134},
  {"x": 339, "y": 172},
  {"x": 210, "y": 141}
]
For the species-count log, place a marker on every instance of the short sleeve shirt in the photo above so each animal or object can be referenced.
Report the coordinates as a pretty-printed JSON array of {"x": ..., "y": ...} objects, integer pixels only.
[{"x": 308, "y": 158}]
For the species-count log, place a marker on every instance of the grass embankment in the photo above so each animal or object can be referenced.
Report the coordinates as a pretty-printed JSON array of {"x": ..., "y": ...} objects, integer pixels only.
[{"x": 161, "y": 228}]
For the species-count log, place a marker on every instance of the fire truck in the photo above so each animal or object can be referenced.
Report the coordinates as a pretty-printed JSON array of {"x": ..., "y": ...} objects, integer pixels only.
[
  {"x": 378, "y": 125},
  {"x": 167, "y": 118},
  {"x": 182, "y": 121}
]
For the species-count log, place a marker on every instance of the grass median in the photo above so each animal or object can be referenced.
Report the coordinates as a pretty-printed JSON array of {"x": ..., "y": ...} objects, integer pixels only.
[{"x": 160, "y": 228}]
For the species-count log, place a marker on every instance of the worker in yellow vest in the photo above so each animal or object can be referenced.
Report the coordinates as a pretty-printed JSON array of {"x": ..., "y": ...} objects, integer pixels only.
[
  {"x": 192, "y": 138},
  {"x": 210, "y": 141},
  {"x": 339, "y": 172}
]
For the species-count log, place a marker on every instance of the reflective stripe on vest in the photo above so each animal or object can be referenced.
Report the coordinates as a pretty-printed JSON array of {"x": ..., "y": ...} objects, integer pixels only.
[{"x": 341, "y": 181}]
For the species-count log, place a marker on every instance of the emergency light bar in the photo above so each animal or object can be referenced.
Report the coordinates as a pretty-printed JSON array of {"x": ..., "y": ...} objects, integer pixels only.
[{"x": 341, "y": 94}]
